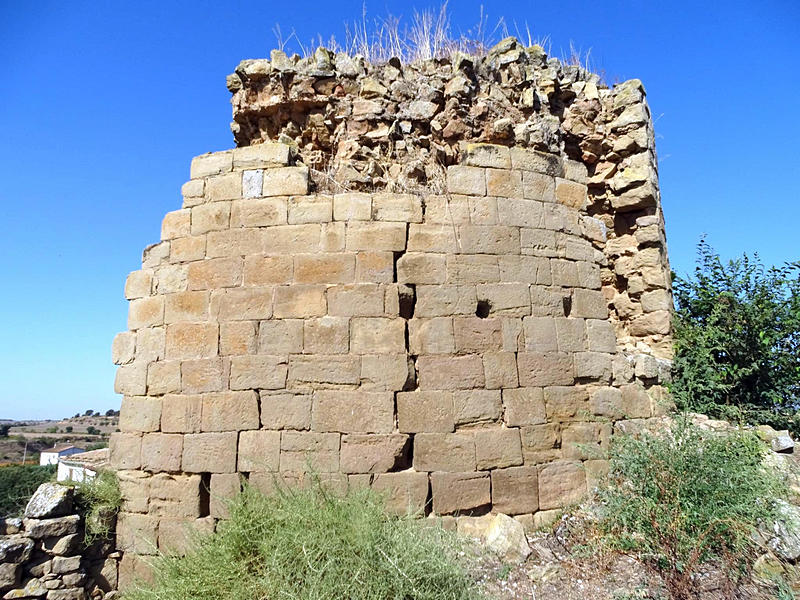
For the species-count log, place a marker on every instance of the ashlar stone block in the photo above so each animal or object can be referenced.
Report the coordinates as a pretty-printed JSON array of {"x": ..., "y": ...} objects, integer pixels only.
[
  {"x": 323, "y": 369},
  {"x": 210, "y": 164},
  {"x": 373, "y": 453},
  {"x": 470, "y": 181},
  {"x": 347, "y": 411},
  {"x": 430, "y": 412},
  {"x": 224, "y": 487},
  {"x": 310, "y": 209},
  {"x": 476, "y": 406},
  {"x": 258, "y": 371},
  {"x": 259, "y": 212},
  {"x": 524, "y": 406},
  {"x": 446, "y": 372},
  {"x": 377, "y": 335},
  {"x": 230, "y": 411},
  {"x": 515, "y": 490},
  {"x": 181, "y": 413},
  {"x": 451, "y": 452},
  {"x": 303, "y": 451},
  {"x": 286, "y": 181},
  {"x": 210, "y": 452},
  {"x": 538, "y": 369},
  {"x": 458, "y": 492},
  {"x": 325, "y": 268},
  {"x": 261, "y": 156},
  {"x": 329, "y": 335},
  {"x": 140, "y": 414},
  {"x": 285, "y": 410},
  {"x": 406, "y": 492},
  {"x": 431, "y": 336},
  {"x": 497, "y": 447},
  {"x": 405, "y": 208},
  {"x": 560, "y": 484},
  {"x": 374, "y": 236},
  {"x": 352, "y": 207},
  {"x": 259, "y": 451},
  {"x": 162, "y": 452}
]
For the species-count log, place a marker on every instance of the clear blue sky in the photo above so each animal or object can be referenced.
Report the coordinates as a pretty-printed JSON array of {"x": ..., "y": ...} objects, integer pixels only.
[{"x": 103, "y": 104}]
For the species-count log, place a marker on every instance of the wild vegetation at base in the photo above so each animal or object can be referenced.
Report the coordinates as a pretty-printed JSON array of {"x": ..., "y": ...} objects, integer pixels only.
[
  {"x": 17, "y": 484},
  {"x": 316, "y": 545},
  {"x": 737, "y": 341},
  {"x": 684, "y": 496}
]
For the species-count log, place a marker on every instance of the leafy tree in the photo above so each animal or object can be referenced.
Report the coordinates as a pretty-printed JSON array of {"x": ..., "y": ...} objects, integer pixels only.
[
  {"x": 92, "y": 430},
  {"x": 88, "y": 413},
  {"x": 111, "y": 412},
  {"x": 68, "y": 428},
  {"x": 4, "y": 429},
  {"x": 737, "y": 334}
]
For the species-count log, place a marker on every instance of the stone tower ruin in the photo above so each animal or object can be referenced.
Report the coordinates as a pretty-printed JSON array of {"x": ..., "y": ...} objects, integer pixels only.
[{"x": 445, "y": 280}]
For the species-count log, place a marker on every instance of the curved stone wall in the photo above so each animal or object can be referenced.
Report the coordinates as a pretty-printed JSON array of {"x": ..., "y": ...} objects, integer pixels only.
[{"x": 465, "y": 350}]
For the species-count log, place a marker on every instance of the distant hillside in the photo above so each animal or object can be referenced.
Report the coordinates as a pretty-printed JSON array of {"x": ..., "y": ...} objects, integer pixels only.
[{"x": 87, "y": 431}]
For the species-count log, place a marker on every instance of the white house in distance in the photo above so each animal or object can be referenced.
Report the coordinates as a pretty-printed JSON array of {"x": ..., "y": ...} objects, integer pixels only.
[
  {"x": 51, "y": 456},
  {"x": 82, "y": 467}
]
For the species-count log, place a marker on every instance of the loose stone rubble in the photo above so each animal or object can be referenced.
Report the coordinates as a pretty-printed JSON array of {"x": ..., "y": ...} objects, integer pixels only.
[
  {"x": 447, "y": 281},
  {"x": 43, "y": 555}
]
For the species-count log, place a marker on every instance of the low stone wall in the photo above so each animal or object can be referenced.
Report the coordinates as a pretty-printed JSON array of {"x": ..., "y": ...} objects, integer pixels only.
[{"x": 43, "y": 555}]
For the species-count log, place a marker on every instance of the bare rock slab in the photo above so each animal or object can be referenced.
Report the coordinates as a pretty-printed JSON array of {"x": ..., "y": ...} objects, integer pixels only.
[{"x": 49, "y": 500}]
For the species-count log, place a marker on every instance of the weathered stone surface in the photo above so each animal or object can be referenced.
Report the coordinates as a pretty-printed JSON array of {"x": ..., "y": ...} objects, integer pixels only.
[
  {"x": 476, "y": 406},
  {"x": 373, "y": 453},
  {"x": 515, "y": 490},
  {"x": 497, "y": 447},
  {"x": 301, "y": 451},
  {"x": 450, "y": 372},
  {"x": 162, "y": 452},
  {"x": 259, "y": 451},
  {"x": 506, "y": 538},
  {"x": 15, "y": 549},
  {"x": 210, "y": 452},
  {"x": 49, "y": 500},
  {"x": 430, "y": 412},
  {"x": 352, "y": 412},
  {"x": 459, "y": 492},
  {"x": 453, "y": 452},
  {"x": 406, "y": 492},
  {"x": 560, "y": 484},
  {"x": 42, "y": 528},
  {"x": 230, "y": 411}
]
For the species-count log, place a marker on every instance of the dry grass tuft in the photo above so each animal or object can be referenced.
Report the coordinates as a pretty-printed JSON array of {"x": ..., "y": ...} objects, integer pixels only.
[{"x": 429, "y": 34}]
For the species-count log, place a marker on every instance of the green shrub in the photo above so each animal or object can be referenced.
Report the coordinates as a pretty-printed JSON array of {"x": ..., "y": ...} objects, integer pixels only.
[
  {"x": 100, "y": 500},
  {"x": 311, "y": 544},
  {"x": 17, "y": 484},
  {"x": 678, "y": 499},
  {"x": 737, "y": 341}
]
